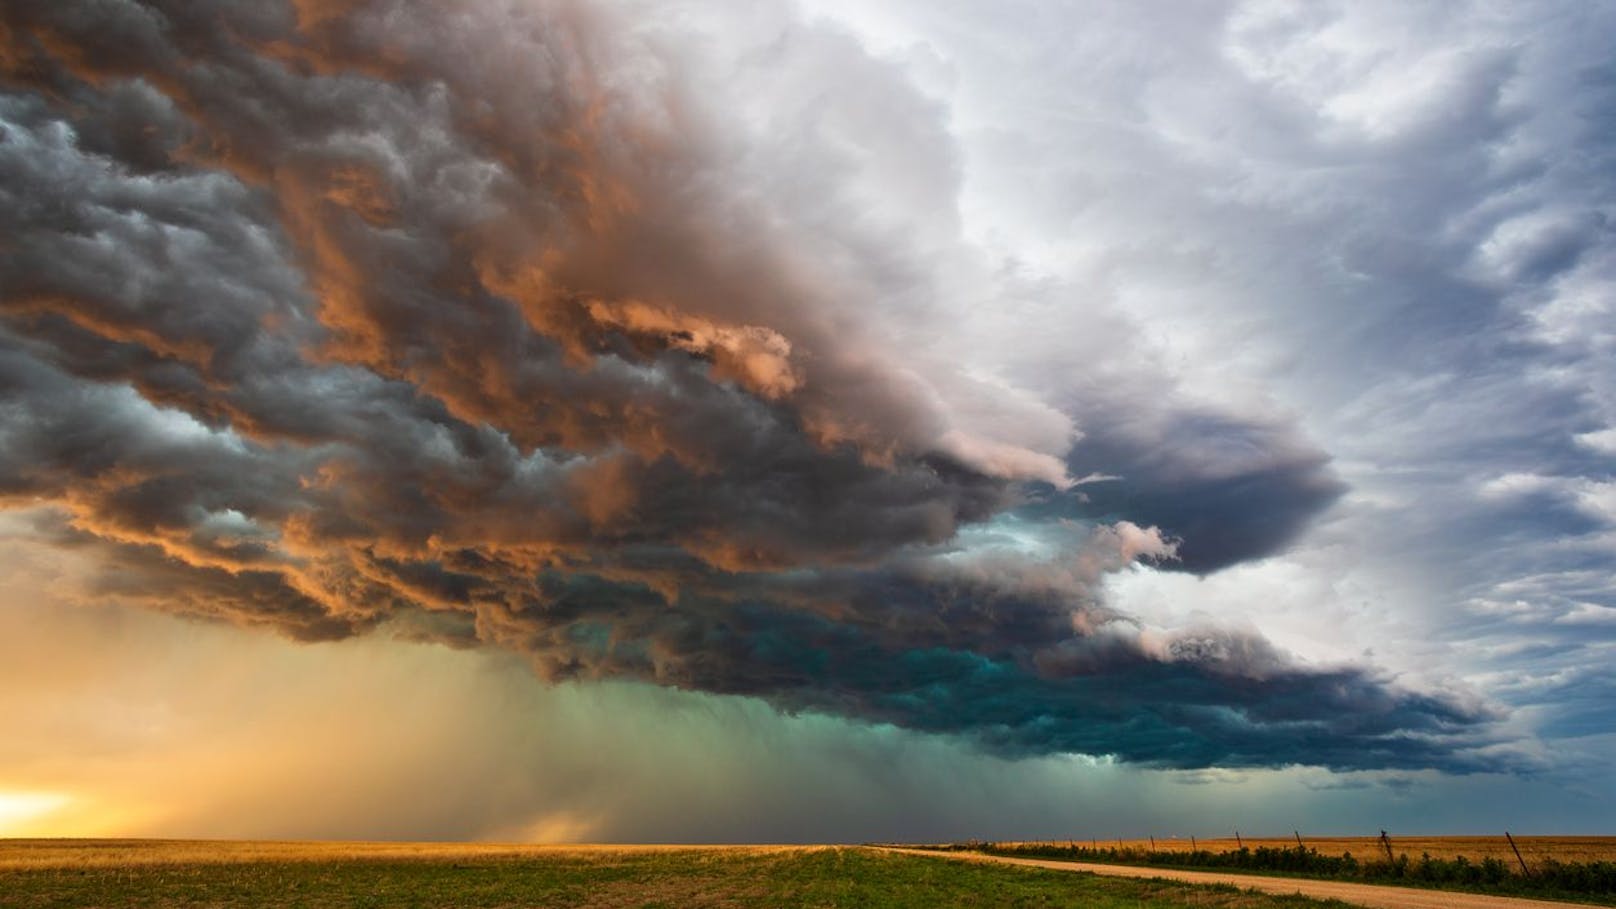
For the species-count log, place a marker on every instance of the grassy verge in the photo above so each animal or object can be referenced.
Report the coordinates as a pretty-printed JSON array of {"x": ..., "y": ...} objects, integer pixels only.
[
  {"x": 602, "y": 879},
  {"x": 1589, "y": 882}
]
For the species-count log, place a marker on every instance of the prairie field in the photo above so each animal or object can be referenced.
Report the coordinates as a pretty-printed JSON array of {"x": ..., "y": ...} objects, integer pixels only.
[
  {"x": 1475, "y": 848},
  {"x": 169, "y": 874}
]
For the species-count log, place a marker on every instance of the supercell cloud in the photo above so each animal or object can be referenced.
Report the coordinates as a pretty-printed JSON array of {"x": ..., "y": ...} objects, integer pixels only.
[{"x": 646, "y": 342}]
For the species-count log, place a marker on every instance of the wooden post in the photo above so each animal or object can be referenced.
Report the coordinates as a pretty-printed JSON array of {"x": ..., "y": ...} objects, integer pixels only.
[
  {"x": 1237, "y": 841},
  {"x": 1388, "y": 844},
  {"x": 1152, "y": 842},
  {"x": 1193, "y": 846},
  {"x": 1299, "y": 845},
  {"x": 1524, "y": 870}
]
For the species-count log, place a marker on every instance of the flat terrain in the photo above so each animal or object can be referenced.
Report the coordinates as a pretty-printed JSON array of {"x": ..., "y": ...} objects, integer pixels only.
[
  {"x": 167, "y": 875},
  {"x": 1369, "y": 895},
  {"x": 1475, "y": 848}
]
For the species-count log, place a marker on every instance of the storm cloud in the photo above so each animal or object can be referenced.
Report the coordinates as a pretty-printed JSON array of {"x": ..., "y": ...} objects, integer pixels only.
[{"x": 498, "y": 324}]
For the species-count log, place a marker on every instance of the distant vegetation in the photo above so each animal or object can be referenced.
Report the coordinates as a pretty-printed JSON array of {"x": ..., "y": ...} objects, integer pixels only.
[{"x": 1588, "y": 881}]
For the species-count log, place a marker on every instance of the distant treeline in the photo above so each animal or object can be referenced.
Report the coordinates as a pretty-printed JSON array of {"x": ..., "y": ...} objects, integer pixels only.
[{"x": 1490, "y": 875}]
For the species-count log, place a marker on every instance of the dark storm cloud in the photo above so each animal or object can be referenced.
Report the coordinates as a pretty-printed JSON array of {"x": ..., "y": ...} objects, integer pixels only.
[
  {"x": 455, "y": 317},
  {"x": 1107, "y": 697},
  {"x": 1008, "y": 669},
  {"x": 1228, "y": 490}
]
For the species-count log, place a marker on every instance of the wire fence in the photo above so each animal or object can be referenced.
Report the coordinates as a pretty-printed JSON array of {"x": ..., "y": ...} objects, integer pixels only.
[{"x": 1583, "y": 867}]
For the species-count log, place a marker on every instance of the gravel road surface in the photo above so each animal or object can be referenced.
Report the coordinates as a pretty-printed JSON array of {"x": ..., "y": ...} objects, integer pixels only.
[{"x": 1360, "y": 894}]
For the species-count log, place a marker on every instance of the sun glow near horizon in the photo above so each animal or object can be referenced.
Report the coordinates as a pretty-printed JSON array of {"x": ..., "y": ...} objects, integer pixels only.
[{"x": 30, "y": 813}]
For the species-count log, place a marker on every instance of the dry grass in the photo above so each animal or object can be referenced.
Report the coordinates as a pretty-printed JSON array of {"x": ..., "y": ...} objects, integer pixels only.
[
  {"x": 1475, "y": 848},
  {"x": 16, "y": 854},
  {"x": 46, "y": 874}
]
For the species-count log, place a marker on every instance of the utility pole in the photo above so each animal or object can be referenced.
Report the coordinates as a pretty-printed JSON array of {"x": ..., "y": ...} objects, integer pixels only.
[{"x": 1524, "y": 870}]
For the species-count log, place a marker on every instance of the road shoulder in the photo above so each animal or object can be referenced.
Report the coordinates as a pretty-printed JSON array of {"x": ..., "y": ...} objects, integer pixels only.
[{"x": 1372, "y": 895}]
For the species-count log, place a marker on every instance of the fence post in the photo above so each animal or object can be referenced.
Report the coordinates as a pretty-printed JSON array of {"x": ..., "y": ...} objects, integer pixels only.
[{"x": 1524, "y": 870}]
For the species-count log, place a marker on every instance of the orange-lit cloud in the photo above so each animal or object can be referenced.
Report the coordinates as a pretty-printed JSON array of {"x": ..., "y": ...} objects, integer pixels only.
[{"x": 486, "y": 324}]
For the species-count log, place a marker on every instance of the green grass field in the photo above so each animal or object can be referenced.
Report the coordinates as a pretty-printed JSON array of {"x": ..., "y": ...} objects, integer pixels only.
[{"x": 164, "y": 875}]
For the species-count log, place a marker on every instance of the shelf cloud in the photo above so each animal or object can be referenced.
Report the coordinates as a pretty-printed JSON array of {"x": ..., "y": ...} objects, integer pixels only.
[{"x": 521, "y": 325}]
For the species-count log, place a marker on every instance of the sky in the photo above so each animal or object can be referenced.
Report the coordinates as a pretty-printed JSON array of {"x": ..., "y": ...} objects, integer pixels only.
[{"x": 806, "y": 421}]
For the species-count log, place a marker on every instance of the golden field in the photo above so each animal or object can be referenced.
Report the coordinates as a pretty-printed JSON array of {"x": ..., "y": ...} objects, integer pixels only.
[{"x": 19, "y": 854}]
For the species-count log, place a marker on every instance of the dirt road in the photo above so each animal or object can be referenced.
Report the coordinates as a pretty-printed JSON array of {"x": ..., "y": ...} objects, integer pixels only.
[{"x": 1359, "y": 894}]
